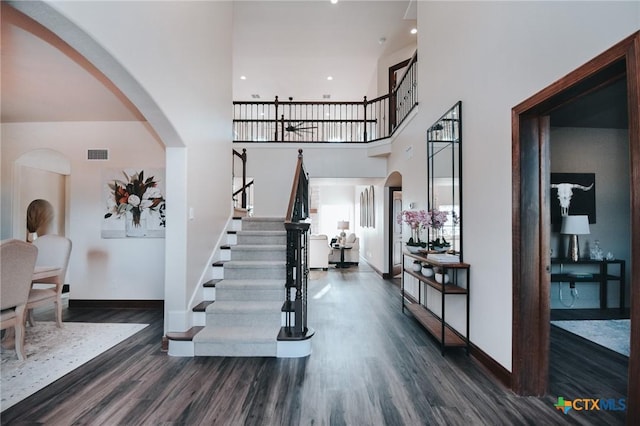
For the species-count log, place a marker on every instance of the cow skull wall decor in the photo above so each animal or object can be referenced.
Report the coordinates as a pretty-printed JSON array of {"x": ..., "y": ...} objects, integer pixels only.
[{"x": 565, "y": 192}]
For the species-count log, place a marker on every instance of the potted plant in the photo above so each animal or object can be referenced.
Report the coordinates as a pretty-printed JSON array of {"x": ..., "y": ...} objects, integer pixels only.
[
  {"x": 417, "y": 220},
  {"x": 437, "y": 219}
]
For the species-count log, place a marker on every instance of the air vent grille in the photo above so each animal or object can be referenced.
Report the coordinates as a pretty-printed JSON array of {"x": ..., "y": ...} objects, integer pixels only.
[{"x": 97, "y": 154}]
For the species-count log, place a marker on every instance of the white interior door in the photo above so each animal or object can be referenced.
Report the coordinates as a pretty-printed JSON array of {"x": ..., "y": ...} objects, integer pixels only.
[{"x": 397, "y": 231}]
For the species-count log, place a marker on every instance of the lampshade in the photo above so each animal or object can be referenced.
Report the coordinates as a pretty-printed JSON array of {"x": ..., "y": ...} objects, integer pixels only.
[
  {"x": 343, "y": 224},
  {"x": 575, "y": 225}
]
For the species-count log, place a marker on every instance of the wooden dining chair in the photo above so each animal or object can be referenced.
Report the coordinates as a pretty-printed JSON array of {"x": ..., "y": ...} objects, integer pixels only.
[
  {"x": 18, "y": 260},
  {"x": 53, "y": 252}
]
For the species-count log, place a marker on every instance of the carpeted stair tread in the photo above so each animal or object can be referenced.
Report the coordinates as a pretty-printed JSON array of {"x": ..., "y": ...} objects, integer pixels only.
[
  {"x": 258, "y": 247},
  {"x": 263, "y": 219},
  {"x": 261, "y": 232},
  {"x": 245, "y": 307},
  {"x": 251, "y": 284},
  {"x": 263, "y": 223}
]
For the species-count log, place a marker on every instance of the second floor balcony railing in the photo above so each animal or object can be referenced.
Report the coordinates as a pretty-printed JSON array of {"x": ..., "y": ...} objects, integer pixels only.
[{"x": 327, "y": 122}]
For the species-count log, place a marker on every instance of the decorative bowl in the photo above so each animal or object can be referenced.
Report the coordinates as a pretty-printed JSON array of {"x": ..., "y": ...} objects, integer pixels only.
[
  {"x": 440, "y": 249},
  {"x": 427, "y": 272},
  {"x": 439, "y": 278}
]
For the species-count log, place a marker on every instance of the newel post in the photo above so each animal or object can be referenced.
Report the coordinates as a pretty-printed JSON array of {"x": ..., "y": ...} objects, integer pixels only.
[{"x": 365, "y": 103}]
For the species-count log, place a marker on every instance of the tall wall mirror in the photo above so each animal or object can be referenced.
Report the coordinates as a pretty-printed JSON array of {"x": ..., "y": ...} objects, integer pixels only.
[{"x": 444, "y": 186}]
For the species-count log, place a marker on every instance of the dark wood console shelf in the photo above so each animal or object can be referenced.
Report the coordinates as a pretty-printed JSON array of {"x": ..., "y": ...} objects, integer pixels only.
[
  {"x": 600, "y": 274},
  {"x": 435, "y": 325}
]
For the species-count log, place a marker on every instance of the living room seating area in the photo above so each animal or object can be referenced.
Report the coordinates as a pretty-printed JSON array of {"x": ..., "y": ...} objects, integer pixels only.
[{"x": 324, "y": 252}]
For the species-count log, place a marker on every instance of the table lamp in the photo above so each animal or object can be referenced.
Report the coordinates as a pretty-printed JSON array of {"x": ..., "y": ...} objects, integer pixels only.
[
  {"x": 343, "y": 225},
  {"x": 574, "y": 226}
]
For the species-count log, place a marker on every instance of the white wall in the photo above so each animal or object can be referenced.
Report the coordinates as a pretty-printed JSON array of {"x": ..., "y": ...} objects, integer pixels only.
[
  {"x": 180, "y": 54},
  {"x": 493, "y": 55},
  {"x": 373, "y": 245},
  {"x": 272, "y": 166},
  {"x": 98, "y": 268},
  {"x": 604, "y": 152}
]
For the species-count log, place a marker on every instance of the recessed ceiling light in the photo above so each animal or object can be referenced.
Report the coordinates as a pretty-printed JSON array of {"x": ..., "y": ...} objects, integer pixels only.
[
  {"x": 329, "y": 78},
  {"x": 243, "y": 77},
  {"x": 414, "y": 30},
  {"x": 334, "y": 1}
]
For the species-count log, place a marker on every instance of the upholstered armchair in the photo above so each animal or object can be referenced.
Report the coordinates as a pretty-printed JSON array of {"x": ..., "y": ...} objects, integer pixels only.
[
  {"x": 350, "y": 256},
  {"x": 319, "y": 251},
  {"x": 18, "y": 262},
  {"x": 53, "y": 252}
]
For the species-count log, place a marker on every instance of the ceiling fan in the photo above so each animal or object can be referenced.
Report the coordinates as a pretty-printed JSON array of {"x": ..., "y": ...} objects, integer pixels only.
[{"x": 299, "y": 127}]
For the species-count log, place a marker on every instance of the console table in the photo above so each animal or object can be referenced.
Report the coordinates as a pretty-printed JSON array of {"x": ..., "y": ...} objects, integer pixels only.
[
  {"x": 434, "y": 324},
  {"x": 601, "y": 275}
]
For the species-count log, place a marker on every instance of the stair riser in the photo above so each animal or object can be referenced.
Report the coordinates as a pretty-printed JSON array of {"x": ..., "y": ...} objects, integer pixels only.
[
  {"x": 209, "y": 293},
  {"x": 199, "y": 318},
  {"x": 239, "y": 254},
  {"x": 217, "y": 272},
  {"x": 260, "y": 225},
  {"x": 225, "y": 254},
  {"x": 238, "y": 319},
  {"x": 255, "y": 274},
  {"x": 236, "y": 349},
  {"x": 261, "y": 239}
]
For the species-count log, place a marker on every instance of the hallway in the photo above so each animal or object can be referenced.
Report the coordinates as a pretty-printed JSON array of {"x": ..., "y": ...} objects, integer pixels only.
[{"x": 371, "y": 365}]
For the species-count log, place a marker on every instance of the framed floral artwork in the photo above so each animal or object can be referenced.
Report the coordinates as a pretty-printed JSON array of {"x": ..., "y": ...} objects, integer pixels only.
[{"x": 134, "y": 203}]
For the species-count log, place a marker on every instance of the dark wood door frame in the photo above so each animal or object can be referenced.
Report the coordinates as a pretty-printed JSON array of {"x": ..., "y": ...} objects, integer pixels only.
[
  {"x": 530, "y": 233},
  {"x": 393, "y": 70}
]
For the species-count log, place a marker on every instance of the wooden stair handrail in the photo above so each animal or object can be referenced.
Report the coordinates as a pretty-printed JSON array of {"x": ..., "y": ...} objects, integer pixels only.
[
  {"x": 294, "y": 188},
  {"x": 244, "y": 187},
  {"x": 297, "y": 271}
]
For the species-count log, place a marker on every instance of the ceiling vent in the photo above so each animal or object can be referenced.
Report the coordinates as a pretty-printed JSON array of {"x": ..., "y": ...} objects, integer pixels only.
[
  {"x": 97, "y": 154},
  {"x": 255, "y": 96},
  {"x": 326, "y": 96}
]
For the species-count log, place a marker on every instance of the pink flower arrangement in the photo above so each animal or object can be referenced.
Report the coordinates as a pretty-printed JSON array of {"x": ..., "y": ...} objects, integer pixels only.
[
  {"x": 422, "y": 219},
  {"x": 437, "y": 219},
  {"x": 415, "y": 219}
]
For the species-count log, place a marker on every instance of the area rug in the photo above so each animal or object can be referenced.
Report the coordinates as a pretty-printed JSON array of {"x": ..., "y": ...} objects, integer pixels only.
[
  {"x": 53, "y": 352},
  {"x": 612, "y": 334}
]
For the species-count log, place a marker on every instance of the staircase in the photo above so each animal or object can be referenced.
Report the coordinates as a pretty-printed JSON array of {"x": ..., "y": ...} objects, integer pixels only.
[{"x": 247, "y": 316}]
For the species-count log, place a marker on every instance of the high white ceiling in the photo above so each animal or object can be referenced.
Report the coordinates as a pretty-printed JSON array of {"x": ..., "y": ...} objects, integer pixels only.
[{"x": 284, "y": 48}]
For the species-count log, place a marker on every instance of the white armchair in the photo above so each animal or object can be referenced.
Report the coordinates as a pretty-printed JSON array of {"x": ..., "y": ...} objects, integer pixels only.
[
  {"x": 350, "y": 256},
  {"x": 319, "y": 251}
]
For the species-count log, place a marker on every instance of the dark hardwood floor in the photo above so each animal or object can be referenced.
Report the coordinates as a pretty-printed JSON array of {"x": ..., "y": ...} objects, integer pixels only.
[{"x": 371, "y": 365}]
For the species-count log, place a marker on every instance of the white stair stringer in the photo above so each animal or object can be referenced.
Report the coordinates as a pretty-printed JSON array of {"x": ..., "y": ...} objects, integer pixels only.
[{"x": 246, "y": 317}]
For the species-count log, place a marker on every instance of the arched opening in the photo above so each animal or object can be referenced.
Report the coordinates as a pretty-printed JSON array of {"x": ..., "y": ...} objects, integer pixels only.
[{"x": 41, "y": 174}]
